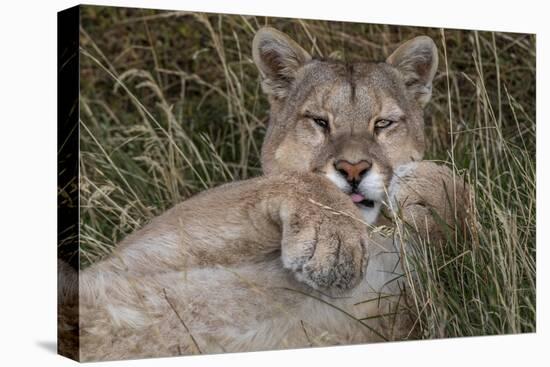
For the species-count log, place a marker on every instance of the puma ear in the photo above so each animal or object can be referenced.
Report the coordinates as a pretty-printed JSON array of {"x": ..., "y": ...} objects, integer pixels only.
[
  {"x": 278, "y": 58},
  {"x": 417, "y": 61}
]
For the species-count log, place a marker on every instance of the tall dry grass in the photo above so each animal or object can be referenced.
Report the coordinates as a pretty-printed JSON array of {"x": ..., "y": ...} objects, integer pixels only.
[{"x": 171, "y": 105}]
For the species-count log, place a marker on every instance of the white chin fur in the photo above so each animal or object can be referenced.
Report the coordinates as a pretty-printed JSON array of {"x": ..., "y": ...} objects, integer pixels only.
[
  {"x": 370, "y": 215},
  {"x": 372, "y": 187}
]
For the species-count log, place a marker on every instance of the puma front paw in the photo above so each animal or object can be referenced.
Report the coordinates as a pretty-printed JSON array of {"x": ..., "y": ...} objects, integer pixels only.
[{"x": 324, "y": 248}]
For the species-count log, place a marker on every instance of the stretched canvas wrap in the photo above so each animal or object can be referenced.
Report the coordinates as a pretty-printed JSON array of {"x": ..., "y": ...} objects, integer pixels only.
[{"x": 233, "y": 183}]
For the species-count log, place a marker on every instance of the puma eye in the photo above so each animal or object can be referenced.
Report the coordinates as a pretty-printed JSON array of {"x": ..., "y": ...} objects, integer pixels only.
[
  {"x": 380, "y": 124},
  {"x": 321, "y": 122}
]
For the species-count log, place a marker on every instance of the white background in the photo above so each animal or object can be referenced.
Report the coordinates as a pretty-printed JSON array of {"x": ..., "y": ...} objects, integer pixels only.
[{"x": 28, "y": 180}]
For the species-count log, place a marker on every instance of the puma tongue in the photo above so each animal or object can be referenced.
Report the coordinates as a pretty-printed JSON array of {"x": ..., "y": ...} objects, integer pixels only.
[{"x": 357, "y": 198}]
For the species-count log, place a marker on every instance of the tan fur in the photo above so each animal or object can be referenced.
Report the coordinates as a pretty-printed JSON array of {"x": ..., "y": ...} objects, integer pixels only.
[
  {"x": 432, "y": 201},
  {"x": 284, "y": 260}
]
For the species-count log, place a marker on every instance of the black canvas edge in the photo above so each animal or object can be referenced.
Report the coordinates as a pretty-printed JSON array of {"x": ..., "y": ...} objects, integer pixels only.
[{"x": 68, "y": 23}]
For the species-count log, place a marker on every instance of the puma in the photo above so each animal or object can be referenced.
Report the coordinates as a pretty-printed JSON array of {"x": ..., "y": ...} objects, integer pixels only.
[{"x": 289, "y": 259}]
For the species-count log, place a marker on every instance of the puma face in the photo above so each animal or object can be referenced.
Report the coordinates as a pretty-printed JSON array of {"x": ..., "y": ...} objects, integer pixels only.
[{"x": 352, "y": 122}]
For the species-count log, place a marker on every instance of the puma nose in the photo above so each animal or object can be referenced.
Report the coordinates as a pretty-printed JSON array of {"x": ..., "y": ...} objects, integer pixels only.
[{"x": 353, "y": 172}]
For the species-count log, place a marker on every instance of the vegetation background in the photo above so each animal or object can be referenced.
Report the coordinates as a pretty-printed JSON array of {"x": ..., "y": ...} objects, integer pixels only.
[{"x": 171, "y": 105}]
